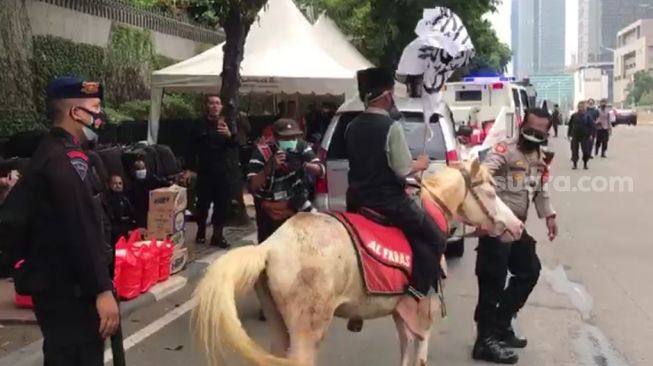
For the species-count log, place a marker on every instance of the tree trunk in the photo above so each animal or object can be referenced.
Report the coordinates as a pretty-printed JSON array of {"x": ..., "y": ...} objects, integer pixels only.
[
  {"x": 236, "y": 27},
  {"x": 16, "y": 77}
]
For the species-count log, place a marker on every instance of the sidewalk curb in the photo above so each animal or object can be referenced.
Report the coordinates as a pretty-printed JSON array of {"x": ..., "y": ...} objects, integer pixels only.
[
  {"x": 176, "y": 282},
  {"x": 31, "y": 354}
]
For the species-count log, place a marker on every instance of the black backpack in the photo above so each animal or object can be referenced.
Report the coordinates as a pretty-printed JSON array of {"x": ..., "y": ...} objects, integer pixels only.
[
  {"x": 169, "y": 163},
  {"x": 112, "y": 159}
]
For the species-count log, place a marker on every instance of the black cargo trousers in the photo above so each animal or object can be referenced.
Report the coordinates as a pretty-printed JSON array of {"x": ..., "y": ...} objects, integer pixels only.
[
  {"x": 213, "y": 188},
  {"x": 498, "y": 304},
  {"x": 426, "y": 239}
]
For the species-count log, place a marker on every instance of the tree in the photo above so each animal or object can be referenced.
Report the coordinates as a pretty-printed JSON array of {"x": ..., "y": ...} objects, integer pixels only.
[
  {"x": 642, "y": 84},
  {"x": 381, "y": 29},
  {"x": 16, "y": 80}
]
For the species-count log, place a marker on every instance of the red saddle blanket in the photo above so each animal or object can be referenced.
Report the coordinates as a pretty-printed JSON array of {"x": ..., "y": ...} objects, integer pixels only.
[{"x": 384, "y": 255}]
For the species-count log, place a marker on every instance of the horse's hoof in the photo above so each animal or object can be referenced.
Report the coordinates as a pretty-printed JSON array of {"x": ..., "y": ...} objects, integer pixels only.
[{"x": 355, "y": 325}]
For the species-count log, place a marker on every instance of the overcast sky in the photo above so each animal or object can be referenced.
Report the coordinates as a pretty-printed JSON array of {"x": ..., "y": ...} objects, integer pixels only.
[{"x": 501, "y": 22}]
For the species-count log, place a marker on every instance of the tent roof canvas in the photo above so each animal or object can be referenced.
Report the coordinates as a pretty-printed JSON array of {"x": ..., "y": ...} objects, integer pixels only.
[
  {"x": 337, "y": 45},
  {"x": 281, "y": 56}
]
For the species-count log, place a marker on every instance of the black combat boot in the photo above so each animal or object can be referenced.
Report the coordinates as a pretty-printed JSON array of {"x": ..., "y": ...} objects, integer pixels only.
[
  {"x": 488, "y": 348},
  {"x": 507, "y": 336},
  {"x": 200, "y": 238},
  {"x": 218, "y": 240}
]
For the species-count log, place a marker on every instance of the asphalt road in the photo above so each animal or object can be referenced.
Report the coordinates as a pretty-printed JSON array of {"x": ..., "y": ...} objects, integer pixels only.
[{"x": 592, "y": 307}]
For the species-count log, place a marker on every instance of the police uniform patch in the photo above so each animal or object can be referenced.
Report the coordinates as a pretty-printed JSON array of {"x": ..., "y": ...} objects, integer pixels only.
[
  {"x": 501, "y": 148},
  {"x": 79, "y": 161},
  {"x": 518, "y": 177},
  {"x": 80, "y": 166}
]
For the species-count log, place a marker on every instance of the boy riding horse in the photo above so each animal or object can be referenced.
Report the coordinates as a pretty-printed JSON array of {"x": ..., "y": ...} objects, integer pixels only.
[{"x": 379, "y": 163}]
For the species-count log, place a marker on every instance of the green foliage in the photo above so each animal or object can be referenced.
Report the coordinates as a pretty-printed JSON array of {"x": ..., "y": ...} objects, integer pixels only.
[
  {"x": 12, "y": 121},
  {"x": 180, "y": 106},
  {"x": 381, "y": 29},
  {"x": 646, "y": 99},
  {"x": 116, "y": 116},
  {"x": 641, "y": 85},
  {"x": 128, "y": 64},
  {"x": 54, "y": 56}
]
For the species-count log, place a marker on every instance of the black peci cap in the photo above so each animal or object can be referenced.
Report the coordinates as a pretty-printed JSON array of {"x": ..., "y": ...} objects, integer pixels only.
[{"x": 374, "y": 81}]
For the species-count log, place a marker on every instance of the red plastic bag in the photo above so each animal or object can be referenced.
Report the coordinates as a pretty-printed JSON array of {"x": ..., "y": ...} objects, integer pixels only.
[
  {"x": 149, "y": 256},
  {"x": 116, "y": 268},
  {"x": 129, "y": 272},
  {"x": 22, "y": 301},
  {"x": 134, "y": 236},
  {"x": 166, "y": 250}
]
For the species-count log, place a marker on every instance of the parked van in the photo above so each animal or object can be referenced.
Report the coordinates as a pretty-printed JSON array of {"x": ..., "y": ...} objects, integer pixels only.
[{"x": 442, "y": 148}]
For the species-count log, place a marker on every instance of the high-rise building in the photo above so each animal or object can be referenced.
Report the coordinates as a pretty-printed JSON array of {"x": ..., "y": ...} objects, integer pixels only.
[
  {"x": 550, "y": 36},
  {"x": 514, "y": 41},
  {"x": 538, "y": 42},
  {"x": 634, "y": 53},
  {"x": 598, "y": 24}
]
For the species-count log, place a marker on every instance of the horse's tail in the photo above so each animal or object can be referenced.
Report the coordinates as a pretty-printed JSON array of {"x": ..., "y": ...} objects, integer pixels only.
[{"x": 215, "y": 318}]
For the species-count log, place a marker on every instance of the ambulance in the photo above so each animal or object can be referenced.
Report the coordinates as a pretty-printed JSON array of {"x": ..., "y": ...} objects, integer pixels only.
[{"x": 492, "y": 106}]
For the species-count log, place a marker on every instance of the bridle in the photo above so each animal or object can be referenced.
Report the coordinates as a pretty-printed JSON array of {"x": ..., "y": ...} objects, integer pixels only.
[{"x": 469, "y": 190}]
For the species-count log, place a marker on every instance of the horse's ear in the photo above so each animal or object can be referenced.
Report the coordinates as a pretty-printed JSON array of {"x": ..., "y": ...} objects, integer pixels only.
[{"x": 476, "y": 167}]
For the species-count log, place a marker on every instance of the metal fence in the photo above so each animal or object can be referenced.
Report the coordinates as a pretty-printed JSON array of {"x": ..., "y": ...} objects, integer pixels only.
[{"x": 149, "y": 18}]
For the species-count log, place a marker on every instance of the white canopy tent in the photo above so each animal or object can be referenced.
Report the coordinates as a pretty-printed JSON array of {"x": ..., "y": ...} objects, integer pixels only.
[
  {"x": 281, "y": 56},
  {"x": 334, "y": 42}
]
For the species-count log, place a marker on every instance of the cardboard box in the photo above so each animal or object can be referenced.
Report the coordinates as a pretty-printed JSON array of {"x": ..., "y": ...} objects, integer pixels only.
[
  {"x": 178, "y": 239},
  {"x": 179, "y": 260},
  {"x": 162, "y": 224},
  {"x": 168, "y": 200}
]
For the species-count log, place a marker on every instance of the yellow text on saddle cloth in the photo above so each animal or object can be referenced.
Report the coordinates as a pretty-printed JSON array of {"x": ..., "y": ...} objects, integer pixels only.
[{"x": 392, "y": 256}]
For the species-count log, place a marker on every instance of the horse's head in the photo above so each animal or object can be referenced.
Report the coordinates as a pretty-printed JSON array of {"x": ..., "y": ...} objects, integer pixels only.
[{"x": 467, "y": 192}]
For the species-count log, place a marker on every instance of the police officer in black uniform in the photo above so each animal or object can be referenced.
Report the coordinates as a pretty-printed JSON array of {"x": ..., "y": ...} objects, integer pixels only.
[
  {"x": 213, "y": 155},
  {"x": 66, "y": 264}
]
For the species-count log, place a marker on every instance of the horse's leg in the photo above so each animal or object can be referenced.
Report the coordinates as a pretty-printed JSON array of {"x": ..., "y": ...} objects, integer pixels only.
[
  {"x": 307, "y": 328},
  {"x": 278, "y": 332},
  {"x": 422, "y": 349},
  {"x": 404, "y": 337},
  {"x": 422, "y": 346}
]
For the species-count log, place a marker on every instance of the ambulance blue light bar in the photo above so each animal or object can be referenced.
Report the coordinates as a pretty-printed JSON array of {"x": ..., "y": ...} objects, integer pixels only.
[{"x": 487, "y": 80}]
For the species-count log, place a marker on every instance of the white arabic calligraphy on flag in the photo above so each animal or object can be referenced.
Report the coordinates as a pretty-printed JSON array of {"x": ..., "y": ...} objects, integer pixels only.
[{"x": 442, "y": 46}]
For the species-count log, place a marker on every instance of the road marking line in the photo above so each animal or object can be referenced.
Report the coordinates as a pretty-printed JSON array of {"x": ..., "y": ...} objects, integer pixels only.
[
  {"x": 163, "y": 289},
  {"x": 152, "y": 328}
]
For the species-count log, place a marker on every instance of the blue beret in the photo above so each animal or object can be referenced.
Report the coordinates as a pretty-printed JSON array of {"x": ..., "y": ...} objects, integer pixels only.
[{"x": 70, "y": 87}]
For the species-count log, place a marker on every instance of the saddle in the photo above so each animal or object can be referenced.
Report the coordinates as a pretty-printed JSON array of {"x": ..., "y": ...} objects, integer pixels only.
[{"x": 383, "y": 252}]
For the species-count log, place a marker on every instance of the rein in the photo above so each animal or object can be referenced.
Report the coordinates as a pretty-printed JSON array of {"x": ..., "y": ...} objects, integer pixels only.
[{"x": 469, "y": 190}]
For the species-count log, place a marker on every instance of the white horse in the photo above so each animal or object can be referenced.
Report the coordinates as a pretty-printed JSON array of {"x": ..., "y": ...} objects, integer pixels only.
[{"x": 307, "y": 272}]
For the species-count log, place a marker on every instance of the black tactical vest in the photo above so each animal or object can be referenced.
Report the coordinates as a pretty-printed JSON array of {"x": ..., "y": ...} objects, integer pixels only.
[{"x": 371, "y": 179}]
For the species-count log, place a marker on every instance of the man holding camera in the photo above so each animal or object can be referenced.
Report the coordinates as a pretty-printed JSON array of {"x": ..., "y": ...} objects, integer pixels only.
[{"x": 277, "y": 177}]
